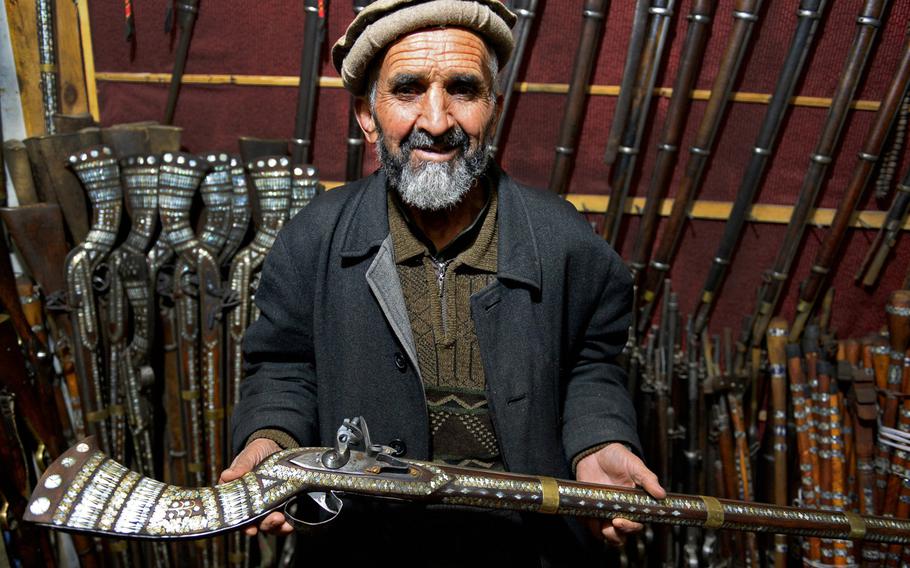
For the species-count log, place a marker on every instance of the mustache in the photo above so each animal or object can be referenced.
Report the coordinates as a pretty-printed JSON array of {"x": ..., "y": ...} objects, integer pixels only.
[{"x": 455, "y": 137}]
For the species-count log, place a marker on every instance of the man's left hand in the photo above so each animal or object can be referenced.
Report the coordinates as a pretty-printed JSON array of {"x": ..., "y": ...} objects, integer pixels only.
[{"x": 614, "y": 464}]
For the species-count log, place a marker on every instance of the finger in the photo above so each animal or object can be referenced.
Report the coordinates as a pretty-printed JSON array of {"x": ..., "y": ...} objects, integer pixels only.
[
  {"x": 625, "y": 526},
  {"x": 271, "y": 522},
  {"x": 612, "y": 537},
  {"x": 250, "y": 530},
  {"x": 647, "y": 480},
  {"x": 285, "y": 529}
]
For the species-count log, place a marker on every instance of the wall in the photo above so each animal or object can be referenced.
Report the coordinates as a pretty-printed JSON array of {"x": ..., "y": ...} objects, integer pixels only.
[{"x": 264, "y": 38}]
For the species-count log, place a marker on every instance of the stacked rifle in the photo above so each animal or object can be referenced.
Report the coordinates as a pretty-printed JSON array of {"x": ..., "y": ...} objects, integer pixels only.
[
  {"x": 145, "y": 307},
  {"x": 830, "y": 430}
]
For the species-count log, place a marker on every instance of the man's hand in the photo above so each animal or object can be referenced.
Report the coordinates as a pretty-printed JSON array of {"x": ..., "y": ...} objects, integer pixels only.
[
  {"x": 616, "y": 465},
  {"x": 252, "y": 454}
]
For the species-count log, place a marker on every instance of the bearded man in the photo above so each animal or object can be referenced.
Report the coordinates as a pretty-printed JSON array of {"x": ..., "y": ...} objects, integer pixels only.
[{"x": 468, "y": 318}]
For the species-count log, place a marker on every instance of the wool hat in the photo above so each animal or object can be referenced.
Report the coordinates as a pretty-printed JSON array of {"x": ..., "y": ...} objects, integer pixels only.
[{"x": 384, "y": 21}]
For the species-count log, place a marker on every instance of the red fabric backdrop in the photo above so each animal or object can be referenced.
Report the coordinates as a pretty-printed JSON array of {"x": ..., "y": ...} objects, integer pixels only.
[{"x": 265, "y": 38}]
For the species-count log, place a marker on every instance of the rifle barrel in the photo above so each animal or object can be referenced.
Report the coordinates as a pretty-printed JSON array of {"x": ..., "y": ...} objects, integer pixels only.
[
  {"x": 187, "y": 10},
  {"x": 809, "y": 16},
  {"x": 313, "y": 35}
]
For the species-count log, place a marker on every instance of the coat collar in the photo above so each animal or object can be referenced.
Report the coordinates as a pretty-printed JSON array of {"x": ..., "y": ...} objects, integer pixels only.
[{"x": 519, "y": 256}]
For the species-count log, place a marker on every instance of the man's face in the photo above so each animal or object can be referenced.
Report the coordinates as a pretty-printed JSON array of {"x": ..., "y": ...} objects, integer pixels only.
[{"x": 433, "y": 114}]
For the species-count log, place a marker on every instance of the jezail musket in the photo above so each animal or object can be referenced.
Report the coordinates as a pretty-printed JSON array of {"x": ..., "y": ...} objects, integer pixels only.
[
  {"x": 86, "y": 491},
  {"x": 98, "y": 169}
]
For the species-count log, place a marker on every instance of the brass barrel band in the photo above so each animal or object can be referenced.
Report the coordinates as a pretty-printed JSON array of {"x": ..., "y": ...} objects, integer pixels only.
[
  {"x": 97, "y": 416},
  {"x": 781, "y": 276},
  {"x": 818, "y": 269},
  {"x": 868, "y": 157},
  {"x": 549, "y": 495},
  {"x": 700, "y": 151},
  {"x": 117, "y": 410},
  {"x": 761, "y": 151},
  {"x": 662, "y": 266},
  {"x": 48, "y": 67},
  {"x": 820, "y": 159},
  {"x": 721, "y": 260},
  {"x": 564, "y": 150},
  {"x": 671, "y": 148},
  {"x": 593, "y": 14},
  {"x": 707, "y": 297},
  {"x": 657, "y": 11},
  {"x": 355, "y": 141},
  {"x": 194, "y": 467},
  {"x": 637, "y": 265},
  {"x": 191, "y": 394},
  {"x": 524, "y": 13},
  {"x": 857, "y": 526},
  {"x": 714, "y": 511},
  {"x": 699, "y": 18},
  {"x": 628, "y": 150},
  {"x": 214, "y": 414},
  {"x": 811, "y": 14}
]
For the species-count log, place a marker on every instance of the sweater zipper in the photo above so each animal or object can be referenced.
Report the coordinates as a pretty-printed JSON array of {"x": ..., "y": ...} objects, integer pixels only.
[{"x": 440, "y": 267}]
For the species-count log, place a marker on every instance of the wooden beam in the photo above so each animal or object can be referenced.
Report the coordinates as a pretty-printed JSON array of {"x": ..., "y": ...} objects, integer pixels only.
[
  {"x": 22, "y": 16},
  {"x": 88, "y": 60},
  {"x": 540, "y": 88},
  {"x": 69, "y": 59}
]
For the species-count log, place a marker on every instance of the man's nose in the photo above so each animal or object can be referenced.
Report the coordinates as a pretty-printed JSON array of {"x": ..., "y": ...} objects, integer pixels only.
[{"x": 435, "y": 118}]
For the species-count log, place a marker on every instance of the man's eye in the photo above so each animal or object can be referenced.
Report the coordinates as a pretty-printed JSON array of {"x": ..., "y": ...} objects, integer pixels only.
[
  {"x": 407, "y": 91},
  {"x": 463, "y": 90}
]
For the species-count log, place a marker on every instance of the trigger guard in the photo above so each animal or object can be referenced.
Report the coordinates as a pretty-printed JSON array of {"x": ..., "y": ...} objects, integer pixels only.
[{"x": 329, "y": 502}]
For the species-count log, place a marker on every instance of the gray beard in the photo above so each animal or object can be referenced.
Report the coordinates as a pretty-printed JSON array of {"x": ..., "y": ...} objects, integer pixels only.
[{"x": 434, "y": 186}]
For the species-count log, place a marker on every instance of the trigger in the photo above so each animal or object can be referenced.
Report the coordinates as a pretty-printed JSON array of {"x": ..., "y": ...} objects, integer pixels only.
[{"x": 329, "y": 503}]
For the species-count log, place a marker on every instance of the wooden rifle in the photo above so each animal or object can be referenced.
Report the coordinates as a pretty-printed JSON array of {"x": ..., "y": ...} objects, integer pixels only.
[
  {"x": 355, "y": 141},
  {"x": 314, "y": 36},
  {"x": 695, "y": 443},
  {"x": 814, "y": 283},
  {"x": 898, "y": 310},
  {"x": 56, "y": 182},
  {"x": 356, "y": 466},
  {"x": 887, "y": 236},
  {"x": 526, "y": 10},
  {"x": 595, "y": 16},
  {"x": 67, "y": 123},
  {"x": 809, "y": 16},
  {"x": 777, "y": 358},
  {"x": 15, "y": 158},
  {"x": 674, "y": 125},
  {"x": 745, "y": 15},
  {"x": 38, "y": 233},
  {"x": 100, "y": 173},
  {"x": 187, "y": 11},
  {"x": 890, "y": 162},
  {"x": 622, "y": 167},
  {"x": 773, "y": 281}
]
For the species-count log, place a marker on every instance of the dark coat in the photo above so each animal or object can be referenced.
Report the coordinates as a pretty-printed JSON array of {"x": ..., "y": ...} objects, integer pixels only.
[{"x": 334, "y": 341}]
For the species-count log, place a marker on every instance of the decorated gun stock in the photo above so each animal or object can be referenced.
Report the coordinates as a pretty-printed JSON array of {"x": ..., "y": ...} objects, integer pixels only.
[{"x": 86, "y": 491}]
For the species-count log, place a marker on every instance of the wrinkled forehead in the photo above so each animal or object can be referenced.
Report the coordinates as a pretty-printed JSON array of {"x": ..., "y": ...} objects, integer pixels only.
[{"x": 437, "y": 53}]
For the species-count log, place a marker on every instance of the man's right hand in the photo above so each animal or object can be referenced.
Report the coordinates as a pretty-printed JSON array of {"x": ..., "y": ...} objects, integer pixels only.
[{"x": 252, "y": 454}]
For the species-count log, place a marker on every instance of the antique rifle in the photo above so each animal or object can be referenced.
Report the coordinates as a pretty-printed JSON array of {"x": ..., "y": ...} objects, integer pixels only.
[
  {"x": 674, "y": 125},
  {"x": 890, "y": 162},
  {"x": 627, "y": 85},
  {"x": 809, "y": 16},
  {"x": 313, "y": 37},
  {"x": 887, "y": 236},
  {"x": 86, "y": 491},
  {"x": 67, "y": 123},
  {"x": 745, "y": 15},
  {"x": 187, "y": 10},
  {"x": 15, "y": 158},
  {"x": 38, "y": 233},
  {"x": 354, "y": 165},
  {"x": 47, "y": 59},
  {"x": 100, "y": 173},
  {"x": 526, "y": 10},
  {"x": 813, "y": 285},
  {"x": 131, "y": 293},
  {"x": 773, "y": 281},
  {"x": 622, "y": 168},
  {"x": 865, "y": 412},
  {"x": 178, "y": 178},
  {"x": 777, "y": 358},
  {"x": 56, "y": 182},
  {"x": 271, "y": 189},
  {"x": 595, "y": 16}
]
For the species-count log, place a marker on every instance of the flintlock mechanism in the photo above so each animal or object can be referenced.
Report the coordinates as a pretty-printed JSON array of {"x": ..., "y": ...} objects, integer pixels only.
[{"x": 86, "y": 491}]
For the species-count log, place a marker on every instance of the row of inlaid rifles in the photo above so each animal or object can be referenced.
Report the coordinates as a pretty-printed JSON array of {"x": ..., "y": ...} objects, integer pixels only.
[
  {"x": 146, "y": 302},
  {"x": 718, "y": 410}
]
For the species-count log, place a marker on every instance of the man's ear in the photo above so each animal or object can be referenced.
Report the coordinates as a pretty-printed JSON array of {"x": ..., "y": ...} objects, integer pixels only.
[{"x": 365, "y": 119}]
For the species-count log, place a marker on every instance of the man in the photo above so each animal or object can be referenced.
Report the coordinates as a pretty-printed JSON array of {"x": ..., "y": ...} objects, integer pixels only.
[{"x": 469, "y": 319}]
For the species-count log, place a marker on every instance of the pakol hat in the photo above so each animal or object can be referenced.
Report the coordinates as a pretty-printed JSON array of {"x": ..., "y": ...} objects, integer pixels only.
[{"x": 384, "y": 21}]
